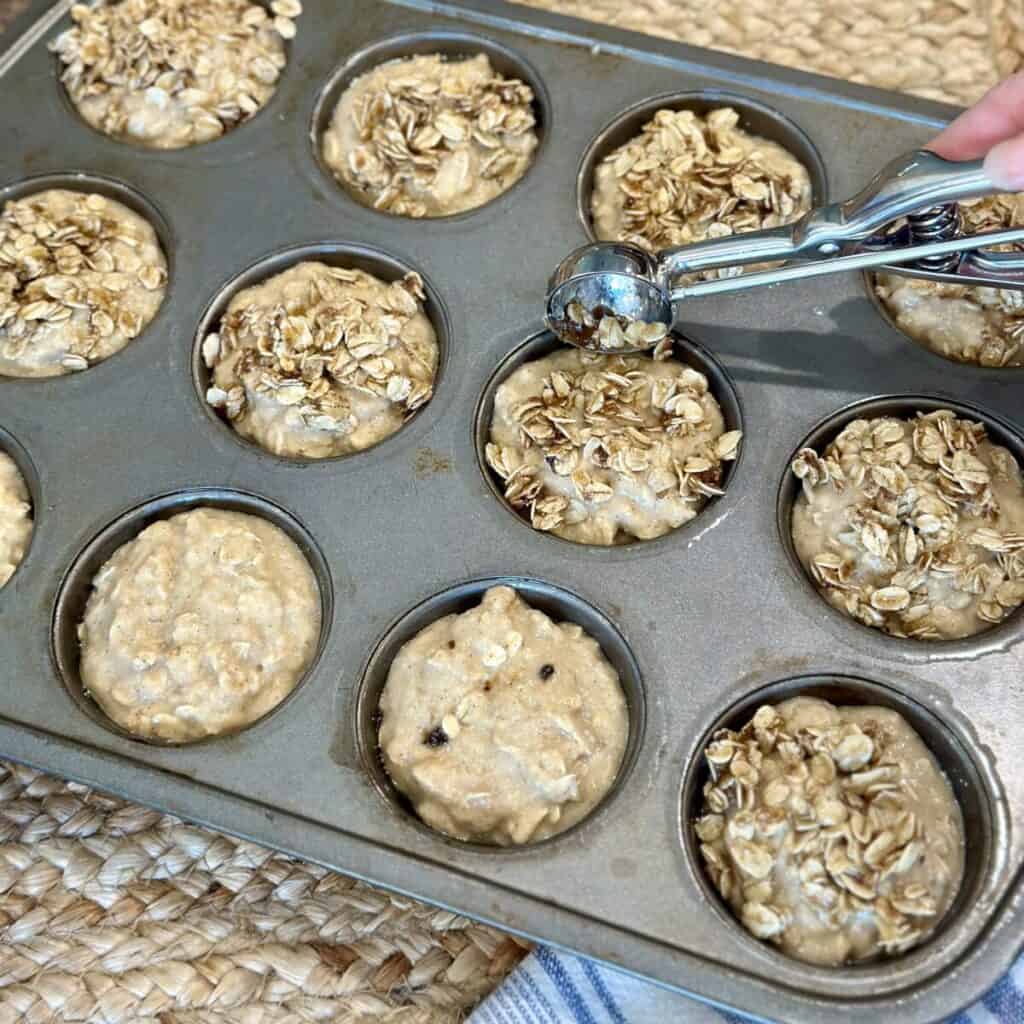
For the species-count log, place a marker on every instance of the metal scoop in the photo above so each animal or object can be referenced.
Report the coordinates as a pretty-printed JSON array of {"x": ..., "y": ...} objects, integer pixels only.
[{"x": 610, "y": 296}]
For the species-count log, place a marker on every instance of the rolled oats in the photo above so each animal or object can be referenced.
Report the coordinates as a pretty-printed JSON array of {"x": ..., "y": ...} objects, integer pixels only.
[
  {"x": 966, "y": 324},
  {"x": 320, "y": 361},
  {"x": 425, "y": 137},
  {"x": 913, "y": 526},
  {"x": 602, "y": 330},
  {"x": 687, "y": 178},
  {"x": 81, "y": 275},
  {"x": 601, "y": 449},
  {"x": 830, "y": 831},
  {"x": 173, "y": 73}
]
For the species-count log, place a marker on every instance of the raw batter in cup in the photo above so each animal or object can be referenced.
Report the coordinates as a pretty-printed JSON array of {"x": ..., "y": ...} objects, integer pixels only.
[
  {"x": 984, "y": 326},
  {"x": 199, "y": 626},
  {"x": 603, "y": 449},
  {"x": 15, "y": 517},
  {"x": 81, "y": 275},
  {"x": 428, "y": 137},
  {"x": 319, "y": 361},
  {"x": 173, "y": 73},
  {"x": 831, "y": 831},
  {"x": 688, "y": 177},
  {"x": 500, "y": 725},
  {"x": 913, "y": 526}
]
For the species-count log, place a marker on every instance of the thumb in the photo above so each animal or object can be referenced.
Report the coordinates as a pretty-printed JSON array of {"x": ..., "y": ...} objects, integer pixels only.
[{"x": 1005, "y": 164}]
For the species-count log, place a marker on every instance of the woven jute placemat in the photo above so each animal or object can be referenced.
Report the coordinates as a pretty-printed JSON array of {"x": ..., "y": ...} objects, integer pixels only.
[
  {"x": 951, "y": 50},
  {"x": 117, "y": 914}
]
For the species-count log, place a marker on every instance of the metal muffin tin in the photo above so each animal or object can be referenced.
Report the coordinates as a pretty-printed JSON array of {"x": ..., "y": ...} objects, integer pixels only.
[{"x": 699, "y": 622}]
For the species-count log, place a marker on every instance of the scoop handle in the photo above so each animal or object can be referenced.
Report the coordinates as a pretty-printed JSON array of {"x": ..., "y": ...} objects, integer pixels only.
[{"x": 910, "y": 183}]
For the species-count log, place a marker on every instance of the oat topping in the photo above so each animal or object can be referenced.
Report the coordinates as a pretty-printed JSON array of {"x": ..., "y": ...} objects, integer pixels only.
[
  {"x": 15, "y": 517},
  {"x": 80, "y": 277},
  {"x": 914, "y": 526},
  {"x": 687, "y": 177},
  {"x": 320, "y": 360},
  {"x": 426, "y": 137},
  {"x": 173, "y": 73},
  {"x": 602, "y": 449},
  {"x": 830, "y": 831},
  {"x": 966, "y": 324},
  {"x": 603, "y": 330}
]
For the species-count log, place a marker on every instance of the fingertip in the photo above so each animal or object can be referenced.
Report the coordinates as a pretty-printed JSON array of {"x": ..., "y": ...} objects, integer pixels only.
[{"x": 1005, "y": 165}]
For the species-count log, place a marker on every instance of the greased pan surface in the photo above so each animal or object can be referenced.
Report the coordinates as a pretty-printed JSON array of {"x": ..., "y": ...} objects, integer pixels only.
[{"x": 698, "y": 620}]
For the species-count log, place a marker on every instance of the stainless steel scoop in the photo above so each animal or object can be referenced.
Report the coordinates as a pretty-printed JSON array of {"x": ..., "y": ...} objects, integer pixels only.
[{"x": 611, "y": 296}]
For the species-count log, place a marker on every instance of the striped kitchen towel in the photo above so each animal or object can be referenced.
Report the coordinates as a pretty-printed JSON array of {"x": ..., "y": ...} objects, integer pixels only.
[{"x": 550, "y": 987}]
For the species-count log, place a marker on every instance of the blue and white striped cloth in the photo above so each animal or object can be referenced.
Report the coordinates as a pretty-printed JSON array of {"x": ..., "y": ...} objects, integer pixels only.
[{"x": 550, "y": 987}]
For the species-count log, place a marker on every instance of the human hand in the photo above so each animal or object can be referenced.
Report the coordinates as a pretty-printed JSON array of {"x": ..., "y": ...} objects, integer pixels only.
[{"x": 994, "y": 129}]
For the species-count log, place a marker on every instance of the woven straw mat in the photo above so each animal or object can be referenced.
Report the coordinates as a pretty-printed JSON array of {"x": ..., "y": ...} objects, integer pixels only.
[{"x": 114, "y": 913}]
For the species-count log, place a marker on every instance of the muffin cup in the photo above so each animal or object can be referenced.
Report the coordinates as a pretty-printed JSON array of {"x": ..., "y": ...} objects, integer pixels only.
[
  {"x": 77, "y": 586},
  {"x": 946, "y": 745},
  {"x": 452, "y": 46},
  {"x": 544, "y": 344},
  {"x": 903, "y": 407},
  {"x": 560, "y": 605},
  {"x": 755, "y": 117}
]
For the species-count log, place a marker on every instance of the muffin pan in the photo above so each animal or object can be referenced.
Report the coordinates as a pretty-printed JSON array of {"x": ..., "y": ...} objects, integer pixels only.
[{"x": 699, "y": 622}]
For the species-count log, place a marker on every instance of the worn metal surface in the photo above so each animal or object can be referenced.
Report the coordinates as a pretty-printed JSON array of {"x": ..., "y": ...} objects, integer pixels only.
[{"x": 709, "y": 613}]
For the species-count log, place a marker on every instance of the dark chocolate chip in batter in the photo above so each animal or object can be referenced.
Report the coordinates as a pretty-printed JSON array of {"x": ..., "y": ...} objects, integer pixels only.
[
  {"x": 546, "y": 671},
  {"x": 451, "y": 645},
  {"x": 437, "y": 737}
]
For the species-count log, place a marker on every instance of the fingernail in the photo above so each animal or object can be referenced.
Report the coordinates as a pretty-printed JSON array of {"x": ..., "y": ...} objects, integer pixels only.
[{"x": 1005, "y": 165}]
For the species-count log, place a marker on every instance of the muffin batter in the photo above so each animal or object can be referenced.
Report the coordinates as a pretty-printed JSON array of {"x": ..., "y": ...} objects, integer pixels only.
[
  {"x": 914, "y": 526},
  {"x": 968, "y": 325},
  {"x": 80, "y": 277},
  {"x": 15, "y": 517},
  {"x": 198, "y": 627},
  {"x": 688, "y": 177},
  {"x": 500, "y": 725},
  {"x": 426, "y": 137},
  {"x": 831, "y": 831},
  {"x": 173, "y": 73},
  {"x": 319, "y": 361},
  {"x": 603, "y": 449}
]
